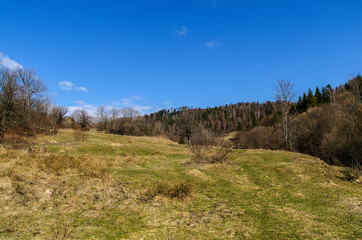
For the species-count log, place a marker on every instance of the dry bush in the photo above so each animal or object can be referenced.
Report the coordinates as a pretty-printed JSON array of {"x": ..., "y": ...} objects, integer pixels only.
[
  {"x": 202, "y": 136},
  {"x": 80, "y": 136},
  {"x": 217, "y": 152},
  {"x": 331, "y": 132},
  {"x": 17, "y": 139},
  {"x": 181, "y": 191},
  {"x": 259, "y": 137}
]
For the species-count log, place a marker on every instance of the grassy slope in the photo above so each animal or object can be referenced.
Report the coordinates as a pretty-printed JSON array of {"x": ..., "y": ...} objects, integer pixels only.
[{"x": 258, "y": 195}]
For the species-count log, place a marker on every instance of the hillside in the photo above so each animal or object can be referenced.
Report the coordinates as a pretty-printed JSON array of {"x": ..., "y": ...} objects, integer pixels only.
[{"x": 118, "y": 187}]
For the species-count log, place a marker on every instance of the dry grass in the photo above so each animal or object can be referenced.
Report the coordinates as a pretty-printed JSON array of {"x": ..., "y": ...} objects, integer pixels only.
[
  {"x": 120, "y": 187},
  {"x": 217, "y": 153},
  {"x": 80, "y": 136},
  {"x": 181, "y": 191}
]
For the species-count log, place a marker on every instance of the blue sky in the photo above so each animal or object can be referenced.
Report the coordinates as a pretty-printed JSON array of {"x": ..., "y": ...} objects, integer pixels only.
[{"x": 169, "y": 53}]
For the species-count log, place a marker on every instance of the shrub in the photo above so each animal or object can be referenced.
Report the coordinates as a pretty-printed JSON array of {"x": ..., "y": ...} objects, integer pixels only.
[{"x": 217, "y": 152}]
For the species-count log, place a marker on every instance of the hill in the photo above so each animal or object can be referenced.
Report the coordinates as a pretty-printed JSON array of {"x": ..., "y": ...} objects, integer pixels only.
[{"x": 123, "y": 187}]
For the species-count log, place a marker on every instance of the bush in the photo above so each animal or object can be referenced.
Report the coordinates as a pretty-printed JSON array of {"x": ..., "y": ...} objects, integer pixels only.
[
  {"x": 259, "y": 137},
  {"x": 217, "y": 152}
]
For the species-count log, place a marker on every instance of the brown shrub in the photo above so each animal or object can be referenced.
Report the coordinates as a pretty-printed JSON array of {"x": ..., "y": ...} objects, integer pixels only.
[
  {"x": 259, "y": 137},
  {"x": 216, "y": 153}
]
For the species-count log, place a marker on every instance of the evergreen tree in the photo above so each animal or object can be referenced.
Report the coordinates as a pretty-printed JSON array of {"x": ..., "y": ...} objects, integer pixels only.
[
  {"x": 311, "y": 101},
  {"x": 327, "y": 94},
  {"x": 304, "y": 103},
  {"x": 318, "y": 96}
]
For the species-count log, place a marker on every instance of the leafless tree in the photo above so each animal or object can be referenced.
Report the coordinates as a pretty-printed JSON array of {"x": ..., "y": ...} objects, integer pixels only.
[
  {"x": 103, "y": 119},
  {"x": 31, "y": 87},
  {"x": 58, "y": 113},
  {"x": 8, "y": 101},
  {"x": 285, "y": 95},
  {"x": 185, "y": 127},
  {"x": 82, "y": 118},
  {"x": 129, "y": 113}
]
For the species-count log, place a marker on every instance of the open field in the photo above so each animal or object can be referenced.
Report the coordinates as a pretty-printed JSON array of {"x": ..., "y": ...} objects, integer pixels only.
[{"x": 121, "y": 187}]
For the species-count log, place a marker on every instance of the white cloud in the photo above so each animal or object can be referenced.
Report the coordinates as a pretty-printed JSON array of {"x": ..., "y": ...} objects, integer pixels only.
[
  {"x": 91, "y": 109},
  {"x": 132, "y": 102},
  {"x": 6, "y": 62},
  {"x": 213, "y": 44},
  {"x": 83, "y": 89},
  {"x": 181, "y": 31},
  {"x": 67, "y": 86}
]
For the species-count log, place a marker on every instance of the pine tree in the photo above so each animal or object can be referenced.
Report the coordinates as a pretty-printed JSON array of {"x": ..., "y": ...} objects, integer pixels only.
[
  {"x": 318, "y": 96},
  {"x": 311, "y": 101},
  {"x": 327, "y": 94},
  {"x": 304, "y": 103}
]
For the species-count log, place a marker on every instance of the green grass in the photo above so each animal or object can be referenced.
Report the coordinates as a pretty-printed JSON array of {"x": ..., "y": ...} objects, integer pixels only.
[{"x": 258, "y": 194}]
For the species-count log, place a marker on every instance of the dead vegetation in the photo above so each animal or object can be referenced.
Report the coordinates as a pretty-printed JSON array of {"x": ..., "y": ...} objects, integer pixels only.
[
  {"x": 216, "y": 152},
  {"x": 181, "y": 191},
  {"x": 80, "y": 136},
  {"x": 51, "y": 186}
]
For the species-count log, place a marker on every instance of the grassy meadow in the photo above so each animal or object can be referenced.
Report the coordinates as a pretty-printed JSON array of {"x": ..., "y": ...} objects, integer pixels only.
[{"x": 122, "y": 187}]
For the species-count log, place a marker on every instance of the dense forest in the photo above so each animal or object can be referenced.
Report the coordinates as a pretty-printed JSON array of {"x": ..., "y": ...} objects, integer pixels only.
[{"x": 324, "y": 123}]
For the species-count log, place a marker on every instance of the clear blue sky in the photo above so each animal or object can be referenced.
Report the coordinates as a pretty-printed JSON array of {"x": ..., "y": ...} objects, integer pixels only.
[{"x": 157, "y": 54}]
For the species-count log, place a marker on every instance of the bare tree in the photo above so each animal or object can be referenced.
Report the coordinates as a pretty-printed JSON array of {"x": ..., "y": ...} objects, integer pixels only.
[
  {"x": 103, "y": 121},
  {"x": 58, "y": 113},
  {"x": 82, "y": 118},
  {"x": 31, "y": 87},
  {"x": 8, "y": 101},
  {"x": 185, "y": 127},
  {"x": 285, "y": 95},
  {"x": 130, "y": 113}
]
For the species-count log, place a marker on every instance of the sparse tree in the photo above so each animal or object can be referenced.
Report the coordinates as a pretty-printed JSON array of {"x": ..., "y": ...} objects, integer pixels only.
[
  {"x": 185, "y": 127},
  {"x": 103, "y": 119},
  {"x": 32, "y": 88},
  {"x": 130, "y": 113},
  {"x": 285, "y": 95},
  {"x": 82, "y": 118}
]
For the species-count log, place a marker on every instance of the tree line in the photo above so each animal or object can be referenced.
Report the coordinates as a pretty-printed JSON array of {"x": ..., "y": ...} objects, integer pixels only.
[
  {"x": 326, "y": 123},
  {"x": 24, "y": 105}
]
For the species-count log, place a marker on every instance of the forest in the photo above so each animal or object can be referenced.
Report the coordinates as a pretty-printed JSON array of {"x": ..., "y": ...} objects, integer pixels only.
[{"x": 325, "y": 123}]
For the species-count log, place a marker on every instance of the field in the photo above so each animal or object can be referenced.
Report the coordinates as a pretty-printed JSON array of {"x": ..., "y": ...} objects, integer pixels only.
[{"x": 121, "y": 187}]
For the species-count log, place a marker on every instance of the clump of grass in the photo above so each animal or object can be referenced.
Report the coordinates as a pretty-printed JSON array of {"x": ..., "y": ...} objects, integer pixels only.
[
  {"x": 211, "y": 153},
  {"x": 59, "y": 163},
  {"x": 80, "y": 136},
  {"x": 60, "y": 230},
  {"x": 181, "y": 191}
]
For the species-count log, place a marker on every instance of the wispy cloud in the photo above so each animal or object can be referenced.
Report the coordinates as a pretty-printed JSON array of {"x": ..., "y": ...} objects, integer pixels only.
[
  {"x": 182, "y": 31},
  {"x": 91, "y": 109},
  {"x": 133, "y": 102},
  {"x": 6, "y": 62},
  {"x": 213, "y": 3},
  {"x": 213, "y": 44},
  {"x": 68, "y": 86}
]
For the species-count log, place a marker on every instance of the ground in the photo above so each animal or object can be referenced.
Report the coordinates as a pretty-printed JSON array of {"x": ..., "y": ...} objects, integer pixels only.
[{"x": 106, "y": 188}]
